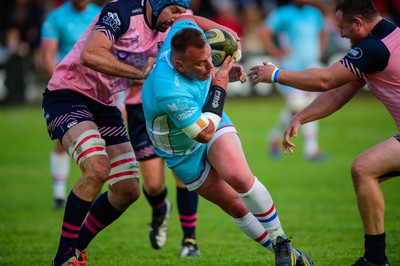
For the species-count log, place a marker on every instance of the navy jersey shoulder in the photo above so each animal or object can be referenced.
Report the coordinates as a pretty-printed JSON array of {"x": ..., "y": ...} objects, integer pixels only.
[
  {"x": 371, "y": 54},
  {"x": 116, "y": 16}
]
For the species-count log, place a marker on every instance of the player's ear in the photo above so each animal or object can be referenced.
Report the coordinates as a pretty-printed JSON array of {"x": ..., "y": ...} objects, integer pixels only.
[
  {"x": 178, "y": 64},
  {"x": 359, "y": 23}
]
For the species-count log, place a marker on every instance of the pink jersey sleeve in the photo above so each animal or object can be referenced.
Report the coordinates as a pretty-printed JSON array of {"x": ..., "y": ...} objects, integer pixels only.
[{"x": 134, "y": 47}]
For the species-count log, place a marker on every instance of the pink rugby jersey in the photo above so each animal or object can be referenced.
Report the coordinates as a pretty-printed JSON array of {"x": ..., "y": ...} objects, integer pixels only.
[
  {"x": 376, "y": 60},
  {"x": 134, "y": 41},
  {"x": 134, "y": 94}
]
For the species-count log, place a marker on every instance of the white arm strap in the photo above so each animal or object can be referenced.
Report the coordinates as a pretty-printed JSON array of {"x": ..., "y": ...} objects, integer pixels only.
[{"x": 194, "y": 129}]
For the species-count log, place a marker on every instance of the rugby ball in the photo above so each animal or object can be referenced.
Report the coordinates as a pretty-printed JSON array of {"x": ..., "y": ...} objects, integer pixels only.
[{"x": 222, "y": 45}]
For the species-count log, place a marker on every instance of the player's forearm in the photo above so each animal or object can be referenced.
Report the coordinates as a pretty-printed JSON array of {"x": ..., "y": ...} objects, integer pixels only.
[
  {"x": 321, "y": 107},
  {"x": 48, "y": 65},
  {"x": 207, "y": 24},
  {"x": 103, "y": 61},
  {"x": 111, "y": 66},
  {"x": 311, "y": 79},
  {"x": 96, "y": 55},
  {"x": 327, "y": 103}
]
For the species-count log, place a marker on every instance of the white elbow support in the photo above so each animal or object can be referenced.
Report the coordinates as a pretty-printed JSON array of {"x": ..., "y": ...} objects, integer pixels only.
[{"x": 194, "y": 129}]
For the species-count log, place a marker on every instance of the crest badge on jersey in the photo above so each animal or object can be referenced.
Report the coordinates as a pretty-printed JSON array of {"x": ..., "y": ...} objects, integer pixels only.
[{"x": 112, "y": 20}]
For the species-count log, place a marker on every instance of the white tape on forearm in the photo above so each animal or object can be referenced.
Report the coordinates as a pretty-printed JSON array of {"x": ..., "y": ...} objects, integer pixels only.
[
  {"x": 194, "y": 129},
  {"x": 216, "y": 119}
]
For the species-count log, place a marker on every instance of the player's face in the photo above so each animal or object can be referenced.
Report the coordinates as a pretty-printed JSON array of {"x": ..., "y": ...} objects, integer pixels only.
[
  {"x": 197, "y": 63},
  {"x": 168, "y": 16},
  {"x": 348, "y": 29},
  {"x": 80, "y": 5}
]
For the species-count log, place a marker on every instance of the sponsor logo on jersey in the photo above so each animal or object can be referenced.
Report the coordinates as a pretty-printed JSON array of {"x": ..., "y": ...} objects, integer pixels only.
[
  {"x": 355, "y": 53},
  {"x": 173, "y": 107},
  {"x": 182, "y": 110},
  {"x": 185, "y": 115}
]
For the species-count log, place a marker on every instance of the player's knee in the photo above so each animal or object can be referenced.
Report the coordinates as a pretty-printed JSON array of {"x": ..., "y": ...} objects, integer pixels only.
[
  {"x": 154, "y": 188},
  {"x": 133, "y": 194},
  {"x": 125, "y": 193},
  {"x": 357, "y": 171},
  {"x": 96, "y": 169},
  {"x": 240, "y": 183}
]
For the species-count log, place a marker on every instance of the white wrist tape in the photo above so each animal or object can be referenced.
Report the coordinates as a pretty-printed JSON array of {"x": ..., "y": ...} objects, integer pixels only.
[
  {"x": 274, "y": 75},
  {"x": 216, "y": 119}
]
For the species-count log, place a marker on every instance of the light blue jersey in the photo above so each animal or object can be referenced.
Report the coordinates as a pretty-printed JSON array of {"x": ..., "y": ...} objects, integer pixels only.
[
  {"x": 299, "y": 29},
  {"x": 66, "y": 25},
  {"x": 171, "y": 102}
]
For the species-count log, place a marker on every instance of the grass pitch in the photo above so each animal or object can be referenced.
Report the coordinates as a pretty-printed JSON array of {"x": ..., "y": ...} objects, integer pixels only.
[{"x": 315, "y": 201}]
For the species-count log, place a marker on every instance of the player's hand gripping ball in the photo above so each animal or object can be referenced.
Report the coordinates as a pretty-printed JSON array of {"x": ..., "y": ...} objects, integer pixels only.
[{"x": 222, "y": 44}]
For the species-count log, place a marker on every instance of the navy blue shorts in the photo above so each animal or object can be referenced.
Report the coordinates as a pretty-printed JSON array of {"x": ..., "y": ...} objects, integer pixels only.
[
  {"x": 138, "y": 136},
  {"x": 63, "y": 109}
]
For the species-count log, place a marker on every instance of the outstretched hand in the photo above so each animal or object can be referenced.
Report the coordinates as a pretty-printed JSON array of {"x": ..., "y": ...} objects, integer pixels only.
[
  {"x": 291, "y": 131},
  {"x": 221, "y": 78},
  {"x": 237, "y": 74},
  {"x": 262, "y": 73}
]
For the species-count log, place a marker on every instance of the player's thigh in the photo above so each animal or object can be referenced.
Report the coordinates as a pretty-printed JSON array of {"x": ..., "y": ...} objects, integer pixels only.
[
  {"x": 76, "y": 131},
  {"x": 379, "y": 159},
  {"x": 216, "y": 190},
  {"x": 87, "y": 152},
  {"x": 227, "y": 157}
]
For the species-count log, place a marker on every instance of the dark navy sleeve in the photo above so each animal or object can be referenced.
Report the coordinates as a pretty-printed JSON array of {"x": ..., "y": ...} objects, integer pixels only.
[
  {"x": 368, "y": 56},
  {"x": 114, "y": 19}
]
